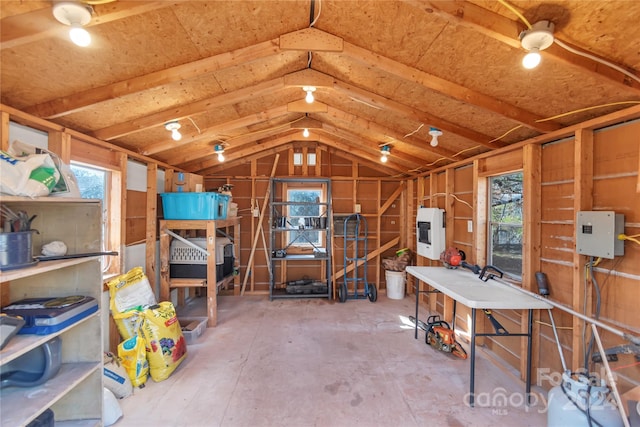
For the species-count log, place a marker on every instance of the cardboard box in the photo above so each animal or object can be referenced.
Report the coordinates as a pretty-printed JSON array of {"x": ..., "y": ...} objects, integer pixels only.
[{"x": 186, "y": 182}]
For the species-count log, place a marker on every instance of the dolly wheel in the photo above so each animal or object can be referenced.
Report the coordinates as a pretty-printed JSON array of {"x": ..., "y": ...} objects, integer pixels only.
[
  {"x": 373, "y": 293},
  {"x": 342, "y": 292}
]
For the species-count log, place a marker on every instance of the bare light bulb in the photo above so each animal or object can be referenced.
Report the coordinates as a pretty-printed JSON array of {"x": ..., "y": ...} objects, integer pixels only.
[
  {"x": 176, "y": 135},
  {"x": 309, "y": 89},
  {"x": 220, "y": 157},
  {"x": 435, "y": 133},
  {"x": 305, "y": 133},
  {"x": 531, "y": 59},
  {"x": 383, "y": 159},
  {"x": 79, "y": 35}
]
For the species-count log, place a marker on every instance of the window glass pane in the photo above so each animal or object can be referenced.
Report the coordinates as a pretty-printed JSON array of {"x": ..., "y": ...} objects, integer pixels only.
[
  {"x": 505, "y": 226},
  {"x": 93, "y": 185},
  {"x": 92, "y": 182},
  {"x": 299, "y": 216}
]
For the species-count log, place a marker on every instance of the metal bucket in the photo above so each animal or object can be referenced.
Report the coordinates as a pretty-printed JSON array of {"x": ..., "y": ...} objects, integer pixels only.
[{"x": 16, "y": 250}]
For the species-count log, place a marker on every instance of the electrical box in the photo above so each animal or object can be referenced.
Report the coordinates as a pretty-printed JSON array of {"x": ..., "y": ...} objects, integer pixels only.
[
  {"x": 430, "y": 236},
  {"x": 597, "y": 234}
]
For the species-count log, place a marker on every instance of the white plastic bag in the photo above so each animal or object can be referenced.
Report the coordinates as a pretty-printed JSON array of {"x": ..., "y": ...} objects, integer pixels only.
[
  {"x": 111, "y": 411},
  {"x": 32, "y": 176},
  {"x": 67, "y": 184}
]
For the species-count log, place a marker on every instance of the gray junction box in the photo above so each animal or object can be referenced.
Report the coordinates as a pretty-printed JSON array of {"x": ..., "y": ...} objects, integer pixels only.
[{"x": 597, "y": 234}]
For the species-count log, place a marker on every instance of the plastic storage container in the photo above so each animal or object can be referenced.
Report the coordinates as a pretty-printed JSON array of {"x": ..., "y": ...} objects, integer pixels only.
[
  {"x": 195, "y": 205},
  {"x": 188, "y": 262}
]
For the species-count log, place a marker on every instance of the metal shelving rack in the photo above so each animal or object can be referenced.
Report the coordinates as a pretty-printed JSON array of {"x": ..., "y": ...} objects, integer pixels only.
[{"x": 280, "y": 230}]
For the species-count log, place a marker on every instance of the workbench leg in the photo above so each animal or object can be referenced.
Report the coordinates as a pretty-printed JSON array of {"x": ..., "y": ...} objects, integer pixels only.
[
  {"x": 473, "y": 357},
  {"x": 417, "y": 299},
  {"x": 528, "y": 373},
  {"x": 453, "y": 321}
]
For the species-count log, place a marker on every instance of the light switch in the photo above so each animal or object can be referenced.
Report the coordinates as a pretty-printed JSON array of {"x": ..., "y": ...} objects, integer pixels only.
[{"x": 470, "y": 226}]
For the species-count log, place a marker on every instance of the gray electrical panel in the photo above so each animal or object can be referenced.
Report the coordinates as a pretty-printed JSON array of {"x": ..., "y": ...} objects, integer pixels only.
[{"x": 597, "y": 234}]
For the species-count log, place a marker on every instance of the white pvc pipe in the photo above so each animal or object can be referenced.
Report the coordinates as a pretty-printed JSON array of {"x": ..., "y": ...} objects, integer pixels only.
[{"x": 626, "y": 336}]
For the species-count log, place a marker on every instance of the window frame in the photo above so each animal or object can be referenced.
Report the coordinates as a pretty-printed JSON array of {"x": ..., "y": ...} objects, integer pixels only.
[
  {"x": 301, "y": 244},
  {"x": 491, "y": 223},
  {"x": 111, "y": 214}
]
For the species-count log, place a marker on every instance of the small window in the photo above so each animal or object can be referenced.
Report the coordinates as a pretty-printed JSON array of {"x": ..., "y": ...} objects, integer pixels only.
[
  {"x": 299, "y": 215},
  {"x": 93, "y": 184},
  {"x": 505, "y": 223}
]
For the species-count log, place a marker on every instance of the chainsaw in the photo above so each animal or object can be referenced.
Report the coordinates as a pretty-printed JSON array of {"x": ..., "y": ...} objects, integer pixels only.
[{"x": 441, "y": 337}]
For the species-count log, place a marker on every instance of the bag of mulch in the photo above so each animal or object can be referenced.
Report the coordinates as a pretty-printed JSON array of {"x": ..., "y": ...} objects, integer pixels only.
[
  {"x": 133, "y": 354},
  {"x": 129, "y": 295},
  {"x": 116, "y": 378},
  {"x": 166, "y": 346}
]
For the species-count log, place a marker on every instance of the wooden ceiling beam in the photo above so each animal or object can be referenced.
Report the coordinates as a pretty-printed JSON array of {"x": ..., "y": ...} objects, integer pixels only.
[
  {"x": 354, "y": 152},
  {"x": 450, "y": 89},
  {"x": 83, "y": 100},
  {"x": 507, "y": 31},
  {"x": 366, "y": 124},
  {"x": 194, "y": 154},
  {"x": 186, "y": 110},
  {"x": 380, "y": 102},
  {"x": 39, "y": 24},
  {"x": 213, "y": 132},
  {"x": 372, "y": 148},
  {"x": 241, "y": 152},
  {"x": 311, "y": 39}
]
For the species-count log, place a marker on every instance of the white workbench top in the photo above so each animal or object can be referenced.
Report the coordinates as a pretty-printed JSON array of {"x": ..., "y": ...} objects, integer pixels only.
[{"x": 467, "y": 288}]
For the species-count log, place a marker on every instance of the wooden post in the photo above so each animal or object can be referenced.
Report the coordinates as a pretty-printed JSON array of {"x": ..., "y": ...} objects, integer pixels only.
[
  {"x": 259, "y": 225},
  {"x": 583, "y": 200}
]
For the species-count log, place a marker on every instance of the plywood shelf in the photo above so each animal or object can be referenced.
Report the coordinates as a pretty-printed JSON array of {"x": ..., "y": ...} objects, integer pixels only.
[{"x": 75, "y": 392}]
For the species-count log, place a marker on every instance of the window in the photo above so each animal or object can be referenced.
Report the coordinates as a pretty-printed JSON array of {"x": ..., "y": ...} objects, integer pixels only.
[
  {"x": 505, "y": 223},
  {"x": 93, "y": 183},
  {"x": 299, "y": 215}
]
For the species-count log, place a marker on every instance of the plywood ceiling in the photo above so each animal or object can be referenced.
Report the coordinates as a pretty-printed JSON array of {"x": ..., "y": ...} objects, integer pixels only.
[{"x": 386, "y": 71}]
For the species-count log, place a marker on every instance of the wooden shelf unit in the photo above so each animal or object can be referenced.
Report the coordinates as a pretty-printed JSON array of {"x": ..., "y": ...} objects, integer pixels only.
[
  {"x": 75, "y": 392},
  {"x": 211, "y": 283}
]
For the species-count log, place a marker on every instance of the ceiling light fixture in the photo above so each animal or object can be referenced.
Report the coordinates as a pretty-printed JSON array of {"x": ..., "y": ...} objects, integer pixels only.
[
  {"x": 435, "y": 133},
  {"x": 219, "y": 149},
  {"x": 173, "y": 127},
  {"x": 305, "y": 133},
  {"x": 385, "y": 151},
  {"x": 535, "y": 39},
  {"x": 309, "y": 89},
  {"x": 76, "y": 15}
]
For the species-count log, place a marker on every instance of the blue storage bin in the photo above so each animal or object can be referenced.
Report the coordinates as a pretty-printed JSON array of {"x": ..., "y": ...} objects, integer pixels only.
[{"x": 194, "y": 205}]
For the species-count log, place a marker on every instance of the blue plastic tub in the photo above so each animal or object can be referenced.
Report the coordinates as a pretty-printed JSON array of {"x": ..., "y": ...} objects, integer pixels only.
[{"x": 195, "y": 205}]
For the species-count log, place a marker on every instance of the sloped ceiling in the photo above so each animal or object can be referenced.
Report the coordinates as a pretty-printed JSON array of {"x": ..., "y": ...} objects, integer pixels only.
[{"x": 386, "y": 72}]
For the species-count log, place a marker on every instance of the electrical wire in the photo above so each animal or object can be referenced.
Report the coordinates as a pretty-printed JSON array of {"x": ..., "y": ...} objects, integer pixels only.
[
  {"x": 592, "y": 263},
  {"x": 596, "y": 59},
  {"x": 195, "y": 125},
  {"x": 464, "y": 202},
  {"x": 415, "y": 131},
  {"x": 318, "y": 15},
  {"x": 515, "y": 12},
  {"x": 568, "y": 113},
  {"x": 455, "y": 155},
  {"x": 630, "y": 238},
  {"x": 506, "y": 133}
]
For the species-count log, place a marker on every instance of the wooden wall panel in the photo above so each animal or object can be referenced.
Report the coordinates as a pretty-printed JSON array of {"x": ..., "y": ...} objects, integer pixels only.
[
  {"x": 501, "y": 163},
  {"x": 136, "y": 219}
]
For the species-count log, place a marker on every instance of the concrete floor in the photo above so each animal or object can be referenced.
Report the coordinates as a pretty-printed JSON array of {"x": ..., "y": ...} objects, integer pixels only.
[{"x": 311, "y": 362}]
